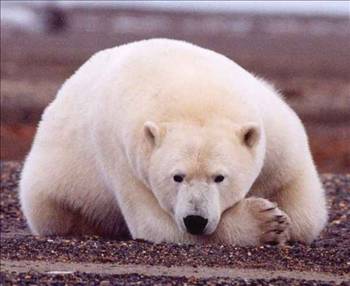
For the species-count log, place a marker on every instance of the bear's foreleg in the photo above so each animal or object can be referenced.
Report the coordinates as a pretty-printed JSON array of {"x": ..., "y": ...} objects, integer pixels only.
[
  {"x": 146, "y": 219},
  {"x": 253, "y": 221},
  {"x": 304, "y": 202}
]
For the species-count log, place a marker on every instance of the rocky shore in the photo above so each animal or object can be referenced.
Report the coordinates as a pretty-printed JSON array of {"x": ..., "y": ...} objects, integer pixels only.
[{"x": 27, "y": 259}]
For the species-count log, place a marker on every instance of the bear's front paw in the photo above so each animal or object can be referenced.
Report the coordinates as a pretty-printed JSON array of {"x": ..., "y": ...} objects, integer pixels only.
[{"x": 274, "y": 224}]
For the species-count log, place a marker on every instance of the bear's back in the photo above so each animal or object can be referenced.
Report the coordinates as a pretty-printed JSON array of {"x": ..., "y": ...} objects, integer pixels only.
[{"x": 160, "y": 80}]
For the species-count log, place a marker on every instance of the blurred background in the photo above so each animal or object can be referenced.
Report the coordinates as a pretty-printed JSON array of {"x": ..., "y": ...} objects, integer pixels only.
[{"x": 302, "y": 47}]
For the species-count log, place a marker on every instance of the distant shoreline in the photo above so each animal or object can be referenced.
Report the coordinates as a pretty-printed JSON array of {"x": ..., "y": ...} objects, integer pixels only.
[{"x": 302, "y": 8}]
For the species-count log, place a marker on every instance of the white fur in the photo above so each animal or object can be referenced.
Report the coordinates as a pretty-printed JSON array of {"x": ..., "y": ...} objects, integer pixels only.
[{"x": 132, "y": 117}]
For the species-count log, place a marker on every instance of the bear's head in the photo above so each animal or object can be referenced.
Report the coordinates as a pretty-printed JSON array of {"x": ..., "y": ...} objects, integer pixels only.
[{"x": 198, "y": 171}]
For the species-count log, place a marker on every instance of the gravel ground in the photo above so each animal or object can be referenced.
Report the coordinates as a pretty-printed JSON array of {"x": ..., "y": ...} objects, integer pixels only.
[
  {"x": 79, "y": 278},
  {"x": 329, "y": 254}
]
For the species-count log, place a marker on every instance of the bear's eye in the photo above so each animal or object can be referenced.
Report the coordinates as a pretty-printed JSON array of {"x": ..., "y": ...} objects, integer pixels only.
[
  {"x": 219, "y": 178},
  {"x": 178, "y": 178}
]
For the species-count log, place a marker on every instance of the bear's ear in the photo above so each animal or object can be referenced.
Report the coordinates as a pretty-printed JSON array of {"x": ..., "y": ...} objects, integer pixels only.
[
  {"x": 153, "y": 133},
  {"x": 250, "y": 134}
]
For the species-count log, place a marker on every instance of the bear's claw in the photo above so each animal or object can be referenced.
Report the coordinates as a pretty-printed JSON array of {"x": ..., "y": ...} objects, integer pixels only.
[{"x": 274, "y": 224}]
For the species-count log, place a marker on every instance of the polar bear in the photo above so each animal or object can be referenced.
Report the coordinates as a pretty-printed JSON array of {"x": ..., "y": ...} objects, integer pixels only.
[{"x": 171, "y": 142}]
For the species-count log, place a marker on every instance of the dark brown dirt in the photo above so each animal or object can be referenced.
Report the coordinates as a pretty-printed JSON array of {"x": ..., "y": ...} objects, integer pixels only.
[
  {"x": 330, "y": 253},
  {"x": 304, "y": 57}
]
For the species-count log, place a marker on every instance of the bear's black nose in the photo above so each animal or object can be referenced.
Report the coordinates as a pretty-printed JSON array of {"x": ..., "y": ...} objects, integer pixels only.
[{"x": 195, "y": 224}]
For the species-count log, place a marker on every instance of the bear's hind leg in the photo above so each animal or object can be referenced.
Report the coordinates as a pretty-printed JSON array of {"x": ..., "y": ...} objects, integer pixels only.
[
  {"x": 48, "y": 217},
  {"x": 51, "y": 218}
]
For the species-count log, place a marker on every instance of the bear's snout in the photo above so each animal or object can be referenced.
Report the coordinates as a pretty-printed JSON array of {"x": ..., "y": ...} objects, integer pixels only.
[{"x": 195, "y": 224}]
